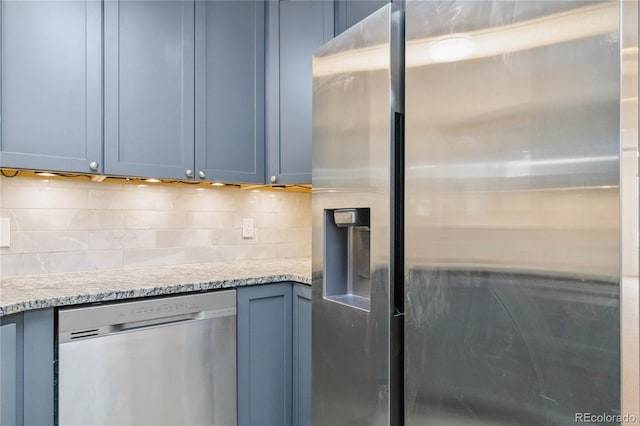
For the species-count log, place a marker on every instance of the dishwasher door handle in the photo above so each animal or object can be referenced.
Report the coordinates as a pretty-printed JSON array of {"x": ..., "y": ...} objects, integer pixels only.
[
  {"x": 160, "y": 321},
  {"x": 115, "y": 327},
  {"x": 156, "y": 322},
  {"x": 106, "y": 330},
  {"x": 88, "y": 322}
]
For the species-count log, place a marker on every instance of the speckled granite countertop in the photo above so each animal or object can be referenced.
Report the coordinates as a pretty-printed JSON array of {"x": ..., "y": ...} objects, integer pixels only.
[{"x": 24, "y": 293}]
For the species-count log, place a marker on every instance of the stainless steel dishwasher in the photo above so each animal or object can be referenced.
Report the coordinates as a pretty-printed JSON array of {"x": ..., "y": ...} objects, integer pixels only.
[{"x": 167, "y": 361}]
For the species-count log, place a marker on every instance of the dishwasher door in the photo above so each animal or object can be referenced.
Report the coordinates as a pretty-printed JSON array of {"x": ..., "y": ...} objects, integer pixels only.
[{"x": 169, "y": 361}]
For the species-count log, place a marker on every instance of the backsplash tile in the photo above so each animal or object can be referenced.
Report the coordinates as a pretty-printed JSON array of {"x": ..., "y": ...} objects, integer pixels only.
[
  {"x": 86, "y": 219},
  {"x": 23, "y": 264},
  {"x": 68, "y": 226},
  {"x": 38, "y": 195},
  {"x": 122, "y": 239},
  {"x": 152, "y": 219},
  {"x": 27, "y": 219},
  {"x": 137, "y": 258},
  {"x": 48, "y": 241},
  {"x": 90, "y": 260}
]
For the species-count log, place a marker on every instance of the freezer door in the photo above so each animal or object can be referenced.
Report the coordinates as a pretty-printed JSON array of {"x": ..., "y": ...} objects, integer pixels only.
[
  {"x": 356, "y": 98},
  {"x": 512, "y": 212}
]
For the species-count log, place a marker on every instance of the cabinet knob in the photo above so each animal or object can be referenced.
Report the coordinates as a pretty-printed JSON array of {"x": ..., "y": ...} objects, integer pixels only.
[
  {"x": 273, "y": 179},
  {"x": 94, "y": 165},
  {"x": 189, "y": 173},
  {"x": 202, "y": 174}
]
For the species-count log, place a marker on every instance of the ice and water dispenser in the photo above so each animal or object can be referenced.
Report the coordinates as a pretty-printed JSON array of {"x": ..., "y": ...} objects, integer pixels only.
[{"x": 347, "y": 257}]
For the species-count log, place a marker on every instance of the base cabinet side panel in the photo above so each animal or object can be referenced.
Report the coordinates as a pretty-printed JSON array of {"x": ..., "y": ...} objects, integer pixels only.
[{"x": 301, "y": 355}]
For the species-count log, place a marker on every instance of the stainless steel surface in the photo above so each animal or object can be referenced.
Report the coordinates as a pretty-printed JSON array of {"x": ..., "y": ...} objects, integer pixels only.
[
  {"x": 353, "y": 126},
  {"x": 347, "y": 248},
  {"x": 164, "y": 361},
  {"x": 189, "y": 173},
  {"x": 512, "y": 210},
  {"x": 273, "y": 179},
  {"x": 202, "y": 174},
  {"x": 359, "y": 268},
  {"x": 630, "y": 301},
  {"x": 351, "y": 217},
  {"x": 93, "y": 166}
]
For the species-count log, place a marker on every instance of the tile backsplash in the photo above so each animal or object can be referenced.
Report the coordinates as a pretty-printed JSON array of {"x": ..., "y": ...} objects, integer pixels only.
[{"x": 65, "y": 226}]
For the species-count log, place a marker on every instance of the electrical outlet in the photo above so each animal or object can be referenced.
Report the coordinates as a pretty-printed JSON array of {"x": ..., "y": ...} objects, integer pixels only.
[
  {"x": 247, "y": 227},
  {"x": 5, "y": 232}
]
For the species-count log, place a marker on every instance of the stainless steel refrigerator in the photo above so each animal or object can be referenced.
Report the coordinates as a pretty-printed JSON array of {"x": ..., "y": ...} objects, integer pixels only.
[{"x": 475, "y": 215}]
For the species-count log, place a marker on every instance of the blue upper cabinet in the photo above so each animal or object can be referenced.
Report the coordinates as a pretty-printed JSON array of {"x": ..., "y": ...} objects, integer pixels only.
[
  {"x": 230, "y": 91},
  {"x": 350, "y": 12},
  {"x": 51, "y": 85},
  {"x": 294, "y": 30},
  {"x": 184, "y": 89},
  {"x": 149, "y": 88}
]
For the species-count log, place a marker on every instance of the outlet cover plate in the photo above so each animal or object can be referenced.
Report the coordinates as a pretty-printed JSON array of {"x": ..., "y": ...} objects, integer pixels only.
[{"x": 247, "y": 227}]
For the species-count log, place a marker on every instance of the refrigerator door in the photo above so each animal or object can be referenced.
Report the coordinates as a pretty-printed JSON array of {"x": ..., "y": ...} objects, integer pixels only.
[
  {"x": 512, "y": 212},
  {"x": 356, "y": 98},
  {"x": 629, "y": 217}
]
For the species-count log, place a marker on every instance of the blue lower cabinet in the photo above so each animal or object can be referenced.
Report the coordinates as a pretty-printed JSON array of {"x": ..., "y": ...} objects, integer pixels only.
[
  {"x": 9, "y": 403},
  {"x": 301, "y": 364},
  {"x": 274, "y": 355},
  {"x": 27, "y": 369},
  {"x": 38, "y": 365}
]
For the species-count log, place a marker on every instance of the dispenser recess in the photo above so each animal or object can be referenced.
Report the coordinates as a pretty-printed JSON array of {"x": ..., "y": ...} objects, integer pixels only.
[{"x": 347, "y": 247}]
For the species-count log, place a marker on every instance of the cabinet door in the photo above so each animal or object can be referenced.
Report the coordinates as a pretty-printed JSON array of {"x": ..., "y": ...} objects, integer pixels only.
[
  {"x": 38, "y": 365},
  {"x": 149, "y": 88},
  {"x": 51, "y": 85},
  {"x": 26, "y": 368},
  {"x": 264, "y": 355},
  {"x": 230, "y": 90},
  {"x": 294, "y": 30},
  {"x": 350, "y": 12},
  {"x": 301, "y": 365},
  {"x": 8, "y": 375}
]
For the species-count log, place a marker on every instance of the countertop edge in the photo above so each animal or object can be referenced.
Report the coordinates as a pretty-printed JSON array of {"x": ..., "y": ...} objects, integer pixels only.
[{"x": 104, "y": 296}]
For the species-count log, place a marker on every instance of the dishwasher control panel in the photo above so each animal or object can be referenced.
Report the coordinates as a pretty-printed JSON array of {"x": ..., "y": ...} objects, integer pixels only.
[{"x": 96, "y": 321}]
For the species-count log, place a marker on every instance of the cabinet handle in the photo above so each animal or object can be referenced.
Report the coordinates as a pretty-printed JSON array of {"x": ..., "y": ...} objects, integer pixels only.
[
  {"x": 94, "y": 165},
  {"x": 273, "y": 179},
  {"x": 202, "y": 174},
  {"x": 189, "y": 173}
]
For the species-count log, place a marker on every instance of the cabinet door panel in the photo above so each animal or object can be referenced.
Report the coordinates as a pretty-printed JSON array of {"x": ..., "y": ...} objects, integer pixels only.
[
  {"x": 38, "y": 374},
  {"x": 149, "y": 88},
  {"x": 350, "y": 12},
  {"x": 295, "y": 30},
  {"x": 264, "y": 355},
  {"x": 301, "y": 355},
  {"x": 51, "y": 84},
  {"x": 8, "y": 375},
  {"x": 230, "y": 95}
]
